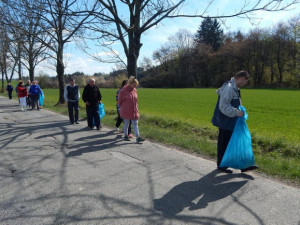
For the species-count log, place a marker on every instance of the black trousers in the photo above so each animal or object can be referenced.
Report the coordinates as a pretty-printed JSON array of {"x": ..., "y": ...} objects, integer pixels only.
[
  {"x": 223, "y": 140},
  {"x": 10, "y": 94},
  {"x": 119, "y": 121},
  {"x": 73, "y": 106},
  {"x": 92, "y": 113},
  {"x": 28, "y": 100},
  {"x": 35, "y": 101}
]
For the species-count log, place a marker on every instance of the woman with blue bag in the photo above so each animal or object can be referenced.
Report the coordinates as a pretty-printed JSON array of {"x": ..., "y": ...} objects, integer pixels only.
[{"x": 226, "y": 115}]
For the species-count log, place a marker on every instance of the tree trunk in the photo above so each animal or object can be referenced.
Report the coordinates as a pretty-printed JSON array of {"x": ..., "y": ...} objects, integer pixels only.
[
  {"x": 19, "y": 62},
  {"x": 60, "y": 74},
  {"x": 31, "y": 68},
  {"x": 132, "y": 65},
  {"x": 2, "y": 79}
]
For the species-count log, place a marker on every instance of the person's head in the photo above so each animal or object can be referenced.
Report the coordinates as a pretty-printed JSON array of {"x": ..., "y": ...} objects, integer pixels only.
[
  {"x": 124, "y": 83},
  {"x": 132, "y": 82},
  {"x": 29, "y": 82},
  {"x": 92, "y": 82},
  {"x": 33, "y": 82},
  {"x": 241, "y": 78},
  {"x": 20, "y": 82},
  {"x": 8, "y": 83},
  {"x": 72, "y": 82},
  {"x": 36, "y": 82}
]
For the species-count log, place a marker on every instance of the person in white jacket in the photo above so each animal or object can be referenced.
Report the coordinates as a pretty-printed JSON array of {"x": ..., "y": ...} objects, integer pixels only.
[{"x": 72, "y": 95}]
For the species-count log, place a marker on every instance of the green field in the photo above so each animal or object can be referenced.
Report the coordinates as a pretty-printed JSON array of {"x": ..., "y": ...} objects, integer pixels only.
[
  {"x": 182, "y": 117},
  {"x": 273, "y": 114}
]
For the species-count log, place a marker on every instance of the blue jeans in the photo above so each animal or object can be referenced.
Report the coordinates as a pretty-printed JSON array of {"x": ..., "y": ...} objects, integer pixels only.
[
  {"x": 135, "y": 127},
  {"x": 71, "y": 106}
]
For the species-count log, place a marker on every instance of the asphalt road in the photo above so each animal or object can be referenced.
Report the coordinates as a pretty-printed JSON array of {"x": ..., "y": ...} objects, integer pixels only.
[{"x": 55, "y": 173}]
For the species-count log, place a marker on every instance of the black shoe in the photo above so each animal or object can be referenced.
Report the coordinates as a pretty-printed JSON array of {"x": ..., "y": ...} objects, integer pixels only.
[
  {"x": 224, "y": 169},
  {"x": 71, "y": 123},
  {"x": 76, "y": 122},
  {"x": 98, "y": 128},
  {"x": 91, "y": 128},
  {"x": 249, "y": 168}
]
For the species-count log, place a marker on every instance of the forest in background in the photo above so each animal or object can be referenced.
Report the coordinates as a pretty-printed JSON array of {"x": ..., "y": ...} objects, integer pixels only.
[{"x": 207, "y": 59}]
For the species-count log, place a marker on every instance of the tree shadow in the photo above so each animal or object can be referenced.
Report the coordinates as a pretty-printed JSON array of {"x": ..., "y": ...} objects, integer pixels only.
[
  {"x": 94, "y": 143},
  {"x": 211, "y": 188}
]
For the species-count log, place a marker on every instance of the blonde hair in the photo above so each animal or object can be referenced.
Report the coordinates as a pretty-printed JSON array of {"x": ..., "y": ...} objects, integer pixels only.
[{"x": 132, "y": 80}]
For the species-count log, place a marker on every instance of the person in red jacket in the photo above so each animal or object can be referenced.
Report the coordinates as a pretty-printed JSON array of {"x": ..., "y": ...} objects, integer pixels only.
[
  {"x": 22, "y": 94},
  {"x": 128, "y": 102}
]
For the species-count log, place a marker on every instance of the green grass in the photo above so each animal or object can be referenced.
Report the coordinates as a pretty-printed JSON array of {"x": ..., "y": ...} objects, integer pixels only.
[{"x": 181, "y": 117}]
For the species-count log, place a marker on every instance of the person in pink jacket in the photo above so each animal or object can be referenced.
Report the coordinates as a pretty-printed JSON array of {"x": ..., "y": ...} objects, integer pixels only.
[{"x": 128, "y": 102}]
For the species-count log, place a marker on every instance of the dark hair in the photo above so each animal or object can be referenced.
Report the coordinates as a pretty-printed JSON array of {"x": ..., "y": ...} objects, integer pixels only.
[
  {"x": 124, "y": 82},
  {"x": 242, "y": 74}
]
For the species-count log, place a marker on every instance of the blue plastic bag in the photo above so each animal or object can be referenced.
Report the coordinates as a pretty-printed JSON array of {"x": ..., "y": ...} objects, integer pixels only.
[
  {"x": 101, "y": 110},
  {"x": 239, "y": 154},
  {"x": 41, "y": 98}
]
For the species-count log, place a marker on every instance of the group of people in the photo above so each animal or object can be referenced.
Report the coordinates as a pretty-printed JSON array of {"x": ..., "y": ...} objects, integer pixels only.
[
  {"x": 127, "y": 106},
  {"x": 28, "y": 94},
  {"x": 225, "y": 114}
]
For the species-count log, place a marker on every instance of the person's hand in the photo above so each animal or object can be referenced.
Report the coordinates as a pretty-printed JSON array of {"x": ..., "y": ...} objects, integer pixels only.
[
  {"x": 87, "y": 103},
  {"x": 240, "y": 113}
]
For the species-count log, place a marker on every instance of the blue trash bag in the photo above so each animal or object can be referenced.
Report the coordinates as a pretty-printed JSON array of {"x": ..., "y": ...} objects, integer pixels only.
[
  {"x": 239, "y": 154},
  {"x": 101, "y": 110},
  {"x": 41, "y": 98}
]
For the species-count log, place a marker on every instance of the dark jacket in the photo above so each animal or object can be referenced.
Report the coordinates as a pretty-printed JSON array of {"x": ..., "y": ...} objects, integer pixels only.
[
  {"x": 91, "y": 95},
  {"x": 9, "y": 88},
  {"x": 71, "y": 93},
  {"x": 225, "y": 114}
]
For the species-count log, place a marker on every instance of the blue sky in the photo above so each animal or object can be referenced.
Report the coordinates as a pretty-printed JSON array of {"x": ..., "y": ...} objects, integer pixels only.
[{"x": 76, "y": 60}]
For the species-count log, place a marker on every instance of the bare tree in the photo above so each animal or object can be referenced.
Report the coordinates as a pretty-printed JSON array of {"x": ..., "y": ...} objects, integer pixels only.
[
  {"x": 26, "y": 34},
  {"x": 61, "y": 20},
  {"x": 127, "y": 26},
  {"x": 4, "y": 46}
]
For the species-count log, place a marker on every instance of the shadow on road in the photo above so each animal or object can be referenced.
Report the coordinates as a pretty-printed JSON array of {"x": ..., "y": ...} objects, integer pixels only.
[{"x": 211, "y": 188}]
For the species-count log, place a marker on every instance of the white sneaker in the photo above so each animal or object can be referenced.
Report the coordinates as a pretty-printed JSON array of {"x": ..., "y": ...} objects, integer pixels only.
[{"x": 117, "y": 129}]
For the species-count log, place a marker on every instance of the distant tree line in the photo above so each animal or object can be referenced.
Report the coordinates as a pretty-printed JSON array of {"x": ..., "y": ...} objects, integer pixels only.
[{"x": 209, "y": 57}]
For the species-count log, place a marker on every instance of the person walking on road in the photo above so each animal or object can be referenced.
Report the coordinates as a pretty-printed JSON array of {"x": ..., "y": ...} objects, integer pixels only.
[
  {"x": 28, "y": 99},
  {"x": 9, "y": 89},
  {"x": 72, "y": 95},
  {"x": 128, "y": 102},
  {"x": 22, "y": 94},
  {"x": 35, "y": 91},
  {"x": 92, "y": 98},
  {"x": 119, "y": 119},
  {"x": 226, "y": 114}
]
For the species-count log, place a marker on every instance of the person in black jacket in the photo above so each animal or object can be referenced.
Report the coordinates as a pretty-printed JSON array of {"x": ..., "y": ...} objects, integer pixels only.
[
  {"x": 9, "y": 89},
  {"x": 92, "y": 98},
  {"x": 72, "y": 95}
]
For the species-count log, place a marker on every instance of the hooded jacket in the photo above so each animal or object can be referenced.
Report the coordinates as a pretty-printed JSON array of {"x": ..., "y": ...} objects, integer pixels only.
[{"x": 226, "y": 110}]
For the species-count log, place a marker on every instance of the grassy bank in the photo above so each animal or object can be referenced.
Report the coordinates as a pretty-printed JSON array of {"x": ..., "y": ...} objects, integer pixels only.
[{"x": 181, "y": 117}]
